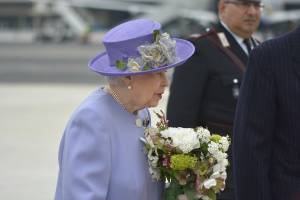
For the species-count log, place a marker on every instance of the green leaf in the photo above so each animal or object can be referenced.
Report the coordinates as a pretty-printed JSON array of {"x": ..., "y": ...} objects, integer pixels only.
[
  {"x": 156, "y": 34},
  {"x": 146, "y": 67},
  {"x": 191, "y": 193},
  {"x": 212, "y": 195},
  {"x": 172, "y": 191},
  {"x": 121, "y": 65}
]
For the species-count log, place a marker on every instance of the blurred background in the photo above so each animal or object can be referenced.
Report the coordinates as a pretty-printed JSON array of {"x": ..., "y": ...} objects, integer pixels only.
[{"x": 45, "y": 46}]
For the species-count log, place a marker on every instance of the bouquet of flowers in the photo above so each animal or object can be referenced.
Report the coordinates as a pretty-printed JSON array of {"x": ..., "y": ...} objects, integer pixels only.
[{"x": 192, "y": 161}]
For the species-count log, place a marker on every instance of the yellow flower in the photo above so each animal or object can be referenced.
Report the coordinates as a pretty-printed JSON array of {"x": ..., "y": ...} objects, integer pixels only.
[
  {"x": 215, "y": 138},
  {"x": 182, "y": 162}
]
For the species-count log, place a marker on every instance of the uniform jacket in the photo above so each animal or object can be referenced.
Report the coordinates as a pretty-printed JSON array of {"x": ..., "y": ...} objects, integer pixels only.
[
  {"x": 201, "y": 93},
  {"x": 266, "y": 143},
  {"x": 101, "y": 156}
]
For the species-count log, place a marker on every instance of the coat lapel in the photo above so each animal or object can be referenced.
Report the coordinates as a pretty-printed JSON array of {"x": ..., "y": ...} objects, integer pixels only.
[{"x": 294, "y": 42}]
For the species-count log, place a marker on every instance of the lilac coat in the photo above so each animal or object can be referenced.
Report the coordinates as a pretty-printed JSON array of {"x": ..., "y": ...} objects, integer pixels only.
[{"x": 101, "y": 156}]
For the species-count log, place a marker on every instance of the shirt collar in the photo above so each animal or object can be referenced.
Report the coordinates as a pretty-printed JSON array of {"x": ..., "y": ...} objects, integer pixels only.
[{"x": 235, "y": 36}]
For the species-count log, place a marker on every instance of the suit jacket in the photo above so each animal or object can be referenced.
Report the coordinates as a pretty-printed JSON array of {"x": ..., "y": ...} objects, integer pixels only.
[
  {"x": 266, "y": 143},
  {"x": 201, "y": 93},
  {"x": 101, "y": 156}
]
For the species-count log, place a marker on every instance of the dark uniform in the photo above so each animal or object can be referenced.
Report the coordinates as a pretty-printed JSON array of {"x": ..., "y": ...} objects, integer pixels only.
[{"x": 204, "y": 91}]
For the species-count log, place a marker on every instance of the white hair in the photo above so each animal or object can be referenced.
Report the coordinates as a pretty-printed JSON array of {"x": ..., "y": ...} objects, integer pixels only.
[{"x": 114, "y": 80}]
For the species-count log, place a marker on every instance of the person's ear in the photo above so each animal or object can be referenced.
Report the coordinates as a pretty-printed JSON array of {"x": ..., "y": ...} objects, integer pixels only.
[
  {"x": 127, "y": 81},
  {"x": 221, "y": 6}
]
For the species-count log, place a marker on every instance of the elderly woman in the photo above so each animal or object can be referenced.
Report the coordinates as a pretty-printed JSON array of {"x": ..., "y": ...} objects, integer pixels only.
[{"x": 101, "y": 156}]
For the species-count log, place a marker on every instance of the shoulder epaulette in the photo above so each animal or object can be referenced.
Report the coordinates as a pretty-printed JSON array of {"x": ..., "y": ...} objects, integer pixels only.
[{"x": 196, "y": 37}]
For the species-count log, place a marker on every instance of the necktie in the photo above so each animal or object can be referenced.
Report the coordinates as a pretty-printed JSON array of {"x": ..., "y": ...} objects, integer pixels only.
[{"x": 247, "y": 42}]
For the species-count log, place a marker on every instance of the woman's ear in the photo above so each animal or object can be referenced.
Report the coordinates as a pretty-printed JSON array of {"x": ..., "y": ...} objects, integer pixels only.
[{"x": 126, "y": 80}]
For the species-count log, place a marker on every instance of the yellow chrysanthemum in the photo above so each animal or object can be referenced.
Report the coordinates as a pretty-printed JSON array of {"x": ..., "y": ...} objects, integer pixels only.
[
  {"x": 215, "y": 138},
  {"x": 182, "y": 162}
]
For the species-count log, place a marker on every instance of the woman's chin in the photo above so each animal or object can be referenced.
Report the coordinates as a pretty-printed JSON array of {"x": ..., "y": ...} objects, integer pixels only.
[
  {"x": 155, "y": 101},
  {"x": 153, "y": 104}
]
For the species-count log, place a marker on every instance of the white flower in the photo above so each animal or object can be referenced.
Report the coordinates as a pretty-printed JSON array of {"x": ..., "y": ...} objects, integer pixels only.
[
  {"x": 184, "y": 138},
  {"x": 152, "y": 55},
  {"x": 203, "y": 197},
  {"x": 213, "y": 148},
  {"x": 223, "y": 175},
  {"x": 150, "y": 134},
  {"x": 224, "y": 143},
  {"x": 218, "y": 168},
  {"x": 155, "y": 173},
  {"x": 215, "y": 175},
  {"x": 153, "y": 157},
  {"x": 210, "y": 183},
  {"x": 168, "y": 47},
  {"x": 148, "y": 140},
  {"x": 224, "y": 163},
  {"x": 203, "y": 134},
  {"x": 159, "y": 53},
  {"x": 153, "y": 131},
  {"x": 220, "y": 156},
  {"x": 133, "y": 65},
  {"x": 169, "y": 133},
  {"x": 165, "y": 36}
]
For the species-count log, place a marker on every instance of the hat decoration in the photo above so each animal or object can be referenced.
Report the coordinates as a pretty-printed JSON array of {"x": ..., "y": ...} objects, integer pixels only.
[{"x": 154, "y": 55}]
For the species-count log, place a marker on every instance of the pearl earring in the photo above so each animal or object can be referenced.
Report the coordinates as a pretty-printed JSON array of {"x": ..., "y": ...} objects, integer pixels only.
[{"x": 129, "y": 87}]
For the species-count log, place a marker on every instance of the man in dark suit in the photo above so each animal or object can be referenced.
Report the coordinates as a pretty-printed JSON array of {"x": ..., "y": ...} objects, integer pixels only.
[
  {"x": 266, "y": 142},
  {"x": 204, "y": 92}
]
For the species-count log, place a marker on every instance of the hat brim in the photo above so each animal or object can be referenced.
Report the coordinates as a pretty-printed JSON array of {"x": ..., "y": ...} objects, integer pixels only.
[{"x": 101, "y": 65}]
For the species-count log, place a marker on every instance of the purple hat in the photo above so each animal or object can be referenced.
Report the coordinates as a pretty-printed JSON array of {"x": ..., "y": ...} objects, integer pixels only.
[{"x": 138, "y": 47}]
